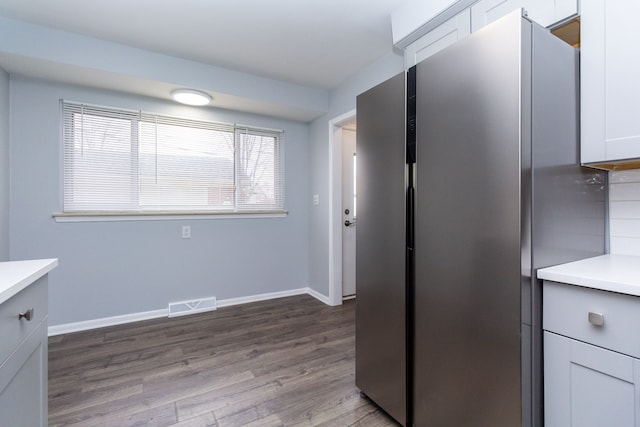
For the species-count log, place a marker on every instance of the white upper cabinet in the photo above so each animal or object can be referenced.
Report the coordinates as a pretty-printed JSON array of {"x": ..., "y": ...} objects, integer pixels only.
[
  {"x": 415, "y": 18},
  {"x": 551, "y": 12},
  {"x": 442, "y": 36},
  {"x": 423, "y": 31},
  {"x": 610, "y": 89},
  {"x": 486, "y": 11},
  {"x": 544, "y": 12}
]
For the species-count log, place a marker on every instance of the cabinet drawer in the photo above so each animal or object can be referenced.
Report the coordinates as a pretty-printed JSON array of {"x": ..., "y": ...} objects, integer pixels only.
[
  {"x": 566, "y": 311},
  {"x": 13, "y": 330}
]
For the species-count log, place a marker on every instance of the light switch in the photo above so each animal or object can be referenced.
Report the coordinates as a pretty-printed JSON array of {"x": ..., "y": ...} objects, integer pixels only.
[{"x": 186, "y": 232}]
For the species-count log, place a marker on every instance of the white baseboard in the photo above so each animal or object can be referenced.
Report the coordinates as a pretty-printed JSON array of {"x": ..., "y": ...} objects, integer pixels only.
[
  {"x": 261, "y": 297},
  {"x": 105, "y": 321},
  {"x": 136, "y": 317},
  {"x": 317, "y": 295}
]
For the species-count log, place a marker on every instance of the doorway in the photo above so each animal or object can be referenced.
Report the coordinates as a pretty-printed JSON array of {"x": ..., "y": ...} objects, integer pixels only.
[
  {"x": 349, "y": 212},
  {"x": 339, "y": 127}
]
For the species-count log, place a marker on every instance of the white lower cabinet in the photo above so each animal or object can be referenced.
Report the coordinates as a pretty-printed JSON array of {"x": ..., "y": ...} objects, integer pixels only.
[
  {"x": 23, "y": 357},
  {"x": 589, "y": 386},
  {"x": 591, "y": 357}
]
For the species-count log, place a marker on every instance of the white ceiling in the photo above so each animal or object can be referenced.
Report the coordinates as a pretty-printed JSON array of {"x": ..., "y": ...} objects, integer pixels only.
[{"x": 317, "y": 43}]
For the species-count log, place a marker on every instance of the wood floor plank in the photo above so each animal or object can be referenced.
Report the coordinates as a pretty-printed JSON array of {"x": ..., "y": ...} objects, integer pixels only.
[
  {"x": 284, "y": 362},
  {"x": 272, "y": 420},
  {"x": 161, "y": 416},
  {"x": 75, "y": 407},
  {"x": 232, "y": 398},
  {"x": 205, "y": 420}
]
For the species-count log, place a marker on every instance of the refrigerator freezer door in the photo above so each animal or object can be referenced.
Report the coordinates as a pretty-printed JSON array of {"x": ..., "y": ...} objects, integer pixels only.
[
  {"x": 468, "y": 231},
  {"x": 381, "y": 357}
]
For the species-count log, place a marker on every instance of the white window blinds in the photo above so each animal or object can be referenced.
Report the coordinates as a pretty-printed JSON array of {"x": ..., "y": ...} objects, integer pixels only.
[{"x": 123, "y": 161}]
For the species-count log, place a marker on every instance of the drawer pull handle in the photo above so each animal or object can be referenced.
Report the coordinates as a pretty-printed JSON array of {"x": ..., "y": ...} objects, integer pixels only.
[
  {"x": 28, "y": 315},
  {"x": 596, "y": 319}
]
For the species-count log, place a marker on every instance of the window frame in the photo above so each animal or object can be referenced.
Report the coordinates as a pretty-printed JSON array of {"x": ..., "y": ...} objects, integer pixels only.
[{"x": 136, "y": 117}]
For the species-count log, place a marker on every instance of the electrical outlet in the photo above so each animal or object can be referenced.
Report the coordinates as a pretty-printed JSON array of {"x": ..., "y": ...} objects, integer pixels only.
[
  {"x": 316, "y": 199},
  {"x": 186, "y": 232}
]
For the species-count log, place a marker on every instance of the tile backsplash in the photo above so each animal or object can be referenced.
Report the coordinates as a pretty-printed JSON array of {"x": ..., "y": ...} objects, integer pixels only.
[{"x": 624, "y": 212}]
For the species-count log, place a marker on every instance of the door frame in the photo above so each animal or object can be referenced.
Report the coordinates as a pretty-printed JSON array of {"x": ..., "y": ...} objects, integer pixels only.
[{"x": 335, "y": 205}]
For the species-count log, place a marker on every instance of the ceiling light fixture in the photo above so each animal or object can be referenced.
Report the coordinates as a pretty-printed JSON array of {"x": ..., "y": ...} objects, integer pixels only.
[{"x": 191, "y": 97}]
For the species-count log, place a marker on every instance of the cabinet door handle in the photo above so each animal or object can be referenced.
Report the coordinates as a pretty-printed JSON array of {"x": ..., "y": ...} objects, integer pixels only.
[
  {"x": 28, "y": 315},
  {"x": 596, "y": 319}
]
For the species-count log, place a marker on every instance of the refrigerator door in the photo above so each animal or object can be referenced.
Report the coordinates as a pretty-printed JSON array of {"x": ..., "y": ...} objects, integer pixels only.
[
  {"x": 468, "y": 231},
  {"x": 381, "y": 357}
]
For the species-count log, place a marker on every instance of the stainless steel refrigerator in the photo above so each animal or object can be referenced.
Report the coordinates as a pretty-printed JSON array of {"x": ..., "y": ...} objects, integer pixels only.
[{"x": 468, "y": 181}]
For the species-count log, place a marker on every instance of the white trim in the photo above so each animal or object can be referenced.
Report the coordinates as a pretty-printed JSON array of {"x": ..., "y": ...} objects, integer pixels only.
[
  {"x": 335, "y": 207},
  {"x": 240, "y": 126},
  {"x": 154, "y": 314},
  {"x": 106, "y": 321},
  {"x": 162, "y": 217},
  {"x": 320, "y": 297},
  {"x": 260, "y": 297},
  {"x": 185, "y": 117}
]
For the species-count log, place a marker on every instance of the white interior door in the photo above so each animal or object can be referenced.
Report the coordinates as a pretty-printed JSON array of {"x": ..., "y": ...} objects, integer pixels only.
[{"x": 348, "y": 212}]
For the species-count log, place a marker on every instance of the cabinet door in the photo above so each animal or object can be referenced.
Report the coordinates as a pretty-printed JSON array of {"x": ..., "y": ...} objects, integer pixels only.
[
  {"x": 610, "y": 93},
  {"x": 444, "y": 35},
  {"x": 23, "y": 383},
  {"x": 544, "y": 12},
  {"x": 588, "y": 386},
  {"x": 550, "y": 12},
  {"x": 564, "y": 9},
  {"x": 486, "y": 11}
]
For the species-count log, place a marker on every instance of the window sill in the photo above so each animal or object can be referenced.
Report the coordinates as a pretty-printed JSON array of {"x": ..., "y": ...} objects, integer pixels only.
[{"x": 163, "y": 215}]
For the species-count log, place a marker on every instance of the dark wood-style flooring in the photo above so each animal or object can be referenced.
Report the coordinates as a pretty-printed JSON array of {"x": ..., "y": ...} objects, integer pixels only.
[{"x": 288, "y": 362}]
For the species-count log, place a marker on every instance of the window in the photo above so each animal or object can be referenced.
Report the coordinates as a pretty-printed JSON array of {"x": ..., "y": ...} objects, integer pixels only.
[{"x": 118, "y": 161}]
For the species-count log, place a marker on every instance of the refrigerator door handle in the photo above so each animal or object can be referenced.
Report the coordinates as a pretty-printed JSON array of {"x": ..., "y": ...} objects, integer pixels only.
[{"x": 410, "y": 218}]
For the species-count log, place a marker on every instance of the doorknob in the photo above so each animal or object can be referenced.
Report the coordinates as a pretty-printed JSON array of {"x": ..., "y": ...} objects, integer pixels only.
[
  {"x": 28, "y": 314},
  {"x": 348, "y": 223}
]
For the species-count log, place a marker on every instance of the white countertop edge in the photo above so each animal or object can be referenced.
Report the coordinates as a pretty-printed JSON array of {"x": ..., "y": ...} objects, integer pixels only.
[
  {"x": 613, "y": 273},
  {"x": 17, "y": 275}
]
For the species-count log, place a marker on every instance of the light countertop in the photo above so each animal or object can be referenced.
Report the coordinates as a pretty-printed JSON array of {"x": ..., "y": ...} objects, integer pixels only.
[
  {"x": 17, "y": 275},
  {"x": 614, "y": 273}
]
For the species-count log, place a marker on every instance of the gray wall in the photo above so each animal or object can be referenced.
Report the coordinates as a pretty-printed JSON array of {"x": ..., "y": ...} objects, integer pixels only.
[
  {"x": 116, "y": 268},
  {"x": 4, "y": 165},
  {"x": 341, "y": 100}
]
